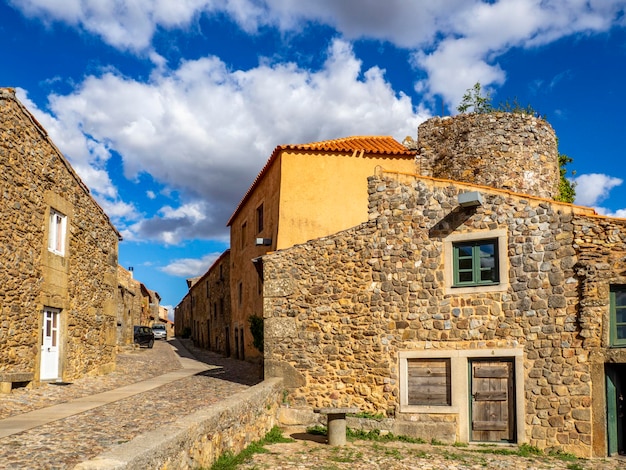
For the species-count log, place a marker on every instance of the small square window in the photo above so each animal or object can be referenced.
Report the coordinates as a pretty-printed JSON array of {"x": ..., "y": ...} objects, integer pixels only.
[
  {"x": 618, "y": 316},
  {"x": 428, "y": 382},
  {"x": 476, "y": 263},
  {"x": 56, "y": 232}
]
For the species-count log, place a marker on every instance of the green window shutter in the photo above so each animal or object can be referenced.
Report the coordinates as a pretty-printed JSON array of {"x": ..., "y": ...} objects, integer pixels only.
[
  {"x": 618, "y": 316},
  {"x": 476, "y": 263}
]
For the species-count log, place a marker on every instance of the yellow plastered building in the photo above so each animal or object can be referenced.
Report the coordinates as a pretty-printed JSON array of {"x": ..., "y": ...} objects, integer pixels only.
[{"x": 303, "y": 192}]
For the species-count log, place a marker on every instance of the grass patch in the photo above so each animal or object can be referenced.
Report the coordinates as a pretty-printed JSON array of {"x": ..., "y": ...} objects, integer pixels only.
[
  {"x": 317, "y": 430},
  {"x": 344, "y": 455},
  {"x": 230, "y": 461},
  {"x": 565, "y": 456},
  {"x": 420, "y": 454},
  {"x": 575, "y": 466},
  {"x": 524, "y": 450},
  {"x": 454, "y": 456},
  {"x": 373, "y": 435},
  {"x": 368, "y": 415},
  {"x": 436, "y": 442},
  {"x": 460, "y": 444}
]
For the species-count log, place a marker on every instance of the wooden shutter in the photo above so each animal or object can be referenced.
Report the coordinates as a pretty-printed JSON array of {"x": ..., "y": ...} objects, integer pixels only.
[{"x": 429, "y": 382}]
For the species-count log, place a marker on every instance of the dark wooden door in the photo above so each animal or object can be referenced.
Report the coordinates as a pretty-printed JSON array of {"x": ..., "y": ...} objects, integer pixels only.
[{"x": 493, "y": 401}]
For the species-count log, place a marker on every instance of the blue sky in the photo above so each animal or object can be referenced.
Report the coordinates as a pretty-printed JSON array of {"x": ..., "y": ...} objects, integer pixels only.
[{"x": 168, "y": 109}]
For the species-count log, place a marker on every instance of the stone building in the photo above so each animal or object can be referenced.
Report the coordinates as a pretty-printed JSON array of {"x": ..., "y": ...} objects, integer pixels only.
[
  {"x": 470, "y": 307},
  {"x": 129, "y": 306},
  {"x": 58, "y": 269},
  {"x": 205, "y": 311}
]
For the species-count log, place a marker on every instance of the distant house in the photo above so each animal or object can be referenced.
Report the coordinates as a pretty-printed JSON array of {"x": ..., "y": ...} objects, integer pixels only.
[
  {"x": 469, "y": 307},
  {"x": 129, "y": 306},
  {"x": 205, "y": 310},
  {"x": 58, "y": 263}
]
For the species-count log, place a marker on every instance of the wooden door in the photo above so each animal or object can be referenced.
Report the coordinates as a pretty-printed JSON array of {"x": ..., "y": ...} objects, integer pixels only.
[{"x": 492, "y": 401}]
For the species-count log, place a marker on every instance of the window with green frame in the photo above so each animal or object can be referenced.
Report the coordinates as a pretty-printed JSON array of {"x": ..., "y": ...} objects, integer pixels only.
[
  {"x": 476, "y": 263},
  {"x": 618, "y": 316}
]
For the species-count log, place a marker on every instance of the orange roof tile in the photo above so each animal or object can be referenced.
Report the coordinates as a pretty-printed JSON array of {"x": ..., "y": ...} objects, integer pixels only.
[
  {"x": 356, "y": 144},
  {"x": 370, "y": 144}
]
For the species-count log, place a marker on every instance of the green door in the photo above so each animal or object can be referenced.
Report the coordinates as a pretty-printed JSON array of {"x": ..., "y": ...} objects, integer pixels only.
[{"x": 611, "y": 411}]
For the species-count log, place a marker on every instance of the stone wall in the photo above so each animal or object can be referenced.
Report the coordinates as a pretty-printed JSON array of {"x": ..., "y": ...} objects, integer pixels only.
[
  {"x": 339, "y": 310},
  {"x": 198, "y": 440},
  {"x": 182, "y": 317},
  {"x": 517, "y": 152},
  {"x": 81, "y": 283},
  {"x": 209, "y": 308},
  {"x": 129, "y": 306}
]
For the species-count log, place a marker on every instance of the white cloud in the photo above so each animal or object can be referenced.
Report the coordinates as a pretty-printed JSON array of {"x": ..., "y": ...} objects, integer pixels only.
[
  {"x": 593, "y": 188},
  {"x": 124, "y": 24},
  {"x": 190, "y": 267},
  {"x": 457, "y": 42},
  {"x": 88, "y": 158},
  {"x": 206, "y": 131}
]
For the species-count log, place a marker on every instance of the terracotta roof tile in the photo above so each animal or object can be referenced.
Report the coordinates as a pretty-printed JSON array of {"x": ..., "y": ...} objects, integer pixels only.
[
  {"x": 361, "y": 144},
  {"x": 370, "y": 144}
]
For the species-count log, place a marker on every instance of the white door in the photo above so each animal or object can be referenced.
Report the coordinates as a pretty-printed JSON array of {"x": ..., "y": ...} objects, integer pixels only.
[{"x": 50, "y": 345}]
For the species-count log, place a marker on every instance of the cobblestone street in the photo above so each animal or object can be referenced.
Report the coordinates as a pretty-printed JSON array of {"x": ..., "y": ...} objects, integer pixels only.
[{"x": 64, "y": 443}]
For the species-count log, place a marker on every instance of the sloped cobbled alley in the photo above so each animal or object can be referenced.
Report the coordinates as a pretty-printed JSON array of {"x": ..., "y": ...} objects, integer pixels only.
[{"x": 64, "y": 443}]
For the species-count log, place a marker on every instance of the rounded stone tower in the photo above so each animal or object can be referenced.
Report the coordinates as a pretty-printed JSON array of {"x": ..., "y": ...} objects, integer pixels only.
[{"x": 517, "y": 152}]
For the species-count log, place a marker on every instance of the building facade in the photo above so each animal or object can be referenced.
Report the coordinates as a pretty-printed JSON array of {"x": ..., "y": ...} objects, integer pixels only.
[
  {"x": 129, "y": 306},
  {"x": 473, "y": 309},
  {"x": 205, "y": 311},
  {"x": 59, "y": 261},
  {"x": 304, "y": 191}
]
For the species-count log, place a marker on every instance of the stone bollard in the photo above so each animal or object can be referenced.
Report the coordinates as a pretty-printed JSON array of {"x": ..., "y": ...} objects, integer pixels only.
[{"x": 336, "y": 418}]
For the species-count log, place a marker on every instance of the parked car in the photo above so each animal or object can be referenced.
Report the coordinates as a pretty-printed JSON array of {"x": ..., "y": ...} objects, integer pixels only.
[
  {"x": 159, "y": 331},
  {"x": 143, "y": 336}
]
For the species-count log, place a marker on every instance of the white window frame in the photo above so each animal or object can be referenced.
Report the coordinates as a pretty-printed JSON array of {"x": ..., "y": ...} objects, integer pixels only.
[
  {"x": 57, "y": 232},
  {"x": 503, "y": 263}
]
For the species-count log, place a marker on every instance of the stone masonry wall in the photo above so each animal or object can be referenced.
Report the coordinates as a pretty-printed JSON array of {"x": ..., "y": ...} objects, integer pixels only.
[
  {"x": 129, "y": 300},
  {"x": 210, "y": 307},
  {"x": 517, "y": 152},
  {"x": 338, "y": 310},
  {"x": 82, "y": 283},
  {"x": 198, "y": 440}
]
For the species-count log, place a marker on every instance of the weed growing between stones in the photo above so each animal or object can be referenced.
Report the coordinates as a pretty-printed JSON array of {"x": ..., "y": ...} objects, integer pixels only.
[
  {"x": 341, "y": 454},
  {"x": 367, "y": 415},
  {"x": 230, "y": 461}
]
